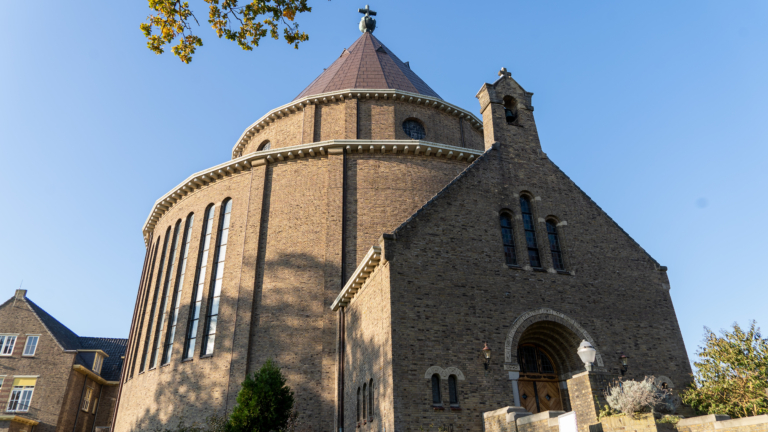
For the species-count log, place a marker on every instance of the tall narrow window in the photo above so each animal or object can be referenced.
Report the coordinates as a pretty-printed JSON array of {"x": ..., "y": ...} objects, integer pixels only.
[
  {"x": 31, "y": 346},
  {"x": 158, "y": 282},
  {"x": 87, "y": 398},
  {"x": 370, "y": 400},
  {"x": 554, "y": 246},
  {"x": 358, "y": 406},
  {"x": 365, "y": 394},
  {"x": 452, "y": 391},
  {"x": 197, "y": 293},
  {"x": 437, "y": 399},
  {"x": 508, "y": 238},
  {"x": 530, "y": 232},
  {"x": 172, "y": 320},
  {"x": 147, "y": 286},
  {"x": 166, "y": 293},
  {"x": 217, "y": 277}
]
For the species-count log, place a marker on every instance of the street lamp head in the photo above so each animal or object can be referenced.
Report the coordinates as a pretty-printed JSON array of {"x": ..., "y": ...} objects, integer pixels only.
[
  {"x": 486, "y": 352},
  {"x": 624, "y": 359},
  {"x": 587, "y": 354}
]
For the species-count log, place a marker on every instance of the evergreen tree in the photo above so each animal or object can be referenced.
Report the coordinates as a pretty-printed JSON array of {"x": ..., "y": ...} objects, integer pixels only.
[
  {"x": 264, "y": 402},
  {"x": 731, "y": 374}
]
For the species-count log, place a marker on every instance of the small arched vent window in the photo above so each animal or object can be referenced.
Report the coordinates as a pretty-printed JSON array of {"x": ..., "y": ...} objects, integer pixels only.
[
  {"x": 530, "y": 232},
  {"x": 508, "y": 238},
  {"x": 554, "y": 246},
  {"x": 266, "y": 145},
  {"x": 370, "y": 400},
  {"x": 437, "y": 399},
  {"x": 365, "y": 394},
  {"x": 452, "y": 390},
  {"x": 414, "y": 129}
]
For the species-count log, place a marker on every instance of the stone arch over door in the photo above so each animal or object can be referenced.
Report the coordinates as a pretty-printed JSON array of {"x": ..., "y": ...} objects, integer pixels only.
[{"x": 559, "y": 334}]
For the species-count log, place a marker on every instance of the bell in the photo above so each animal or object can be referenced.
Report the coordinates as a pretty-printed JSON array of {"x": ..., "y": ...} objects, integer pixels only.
[{"x": 511, "y": 117}]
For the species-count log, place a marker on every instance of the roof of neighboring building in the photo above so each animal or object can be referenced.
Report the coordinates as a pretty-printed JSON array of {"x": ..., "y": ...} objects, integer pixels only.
[
  {"x": 368, "y": 64},
  {"x": 115, "y": 349}
]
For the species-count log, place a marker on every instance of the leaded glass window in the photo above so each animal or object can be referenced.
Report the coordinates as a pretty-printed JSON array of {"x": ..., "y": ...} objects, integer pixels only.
[
  {"x": 414, "y": 129},
  {"x": 508, "y": 239},
  {"x": 217, "y": 279},
  {"x": 197, "y": 290},
  {"x": 166, "y": 294},
  {"x": 530, "y": 232},
  {"x": 533, "y": 360},
  {"x": 452, "y": 390},
  {"x": 176, "y": 296},
  {"x": 554, "y": 246},
  {"x": 158, "y": 282},
  {"x": 436, "y": 397}
]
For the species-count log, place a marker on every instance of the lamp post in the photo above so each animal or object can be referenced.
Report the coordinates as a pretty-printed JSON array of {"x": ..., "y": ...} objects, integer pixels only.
[
  {"x": 624, "y": 359},
  {"x": 587, "y": 354},
  {"x": 486, "y": 355}
]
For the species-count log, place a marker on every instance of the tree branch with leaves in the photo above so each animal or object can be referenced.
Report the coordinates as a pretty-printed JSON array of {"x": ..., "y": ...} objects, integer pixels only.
[{"x": 245, "y": 24}]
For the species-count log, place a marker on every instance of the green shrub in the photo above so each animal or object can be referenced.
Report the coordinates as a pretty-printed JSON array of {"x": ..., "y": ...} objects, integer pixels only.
[{"x": 264, "y": 403}]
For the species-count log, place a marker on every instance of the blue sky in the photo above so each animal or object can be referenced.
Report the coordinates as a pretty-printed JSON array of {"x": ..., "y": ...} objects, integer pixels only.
[{"x": 655, "y": 109}]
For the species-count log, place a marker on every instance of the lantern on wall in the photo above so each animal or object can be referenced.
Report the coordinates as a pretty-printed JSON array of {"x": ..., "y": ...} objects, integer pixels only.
[{"x": 587, "y": 354}]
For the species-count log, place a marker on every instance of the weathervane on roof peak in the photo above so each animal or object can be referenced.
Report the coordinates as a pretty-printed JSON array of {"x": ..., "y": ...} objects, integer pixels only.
[{"x": 367, "y": 24}]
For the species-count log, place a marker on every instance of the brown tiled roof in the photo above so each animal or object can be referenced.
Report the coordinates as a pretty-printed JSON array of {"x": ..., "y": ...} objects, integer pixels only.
[{"x": 368, "y": 64}]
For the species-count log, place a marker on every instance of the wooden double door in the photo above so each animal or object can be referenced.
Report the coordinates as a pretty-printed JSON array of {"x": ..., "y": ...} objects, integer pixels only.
[{"x": 538, "y": 384}]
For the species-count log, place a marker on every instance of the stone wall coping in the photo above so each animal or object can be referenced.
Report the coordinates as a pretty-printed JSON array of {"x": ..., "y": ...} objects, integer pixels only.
[
  {"x": 340, "y": 95},
  {"x": 703, "y": 419},
  {"x": 550, "y": 416},
  {"x": 740, "y": 422},
  {"x": 317, "y": 149},
  {"x": 511, "y": 412},
  {"x": 19, "y": 419},
  {"x": 93, "y": 376},
  {"x": 367, "y": 265}
]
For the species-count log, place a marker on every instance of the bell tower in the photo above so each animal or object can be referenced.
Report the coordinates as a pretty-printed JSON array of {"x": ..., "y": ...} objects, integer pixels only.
[{"x": 508, "y": 116}]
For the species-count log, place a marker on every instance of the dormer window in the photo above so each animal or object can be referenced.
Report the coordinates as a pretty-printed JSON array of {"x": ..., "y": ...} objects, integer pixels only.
[{"x": 98, "y": 361}]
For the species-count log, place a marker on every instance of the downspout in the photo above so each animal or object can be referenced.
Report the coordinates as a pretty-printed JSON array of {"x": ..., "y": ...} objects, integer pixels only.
[
  {"x": 126, "y": 357},
  {"x": 80, "y": 404},
  {"x": 96, "y": 413}
]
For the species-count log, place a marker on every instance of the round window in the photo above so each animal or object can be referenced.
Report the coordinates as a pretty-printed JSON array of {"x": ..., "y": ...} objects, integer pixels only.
[{"x": 414, "y": 129}]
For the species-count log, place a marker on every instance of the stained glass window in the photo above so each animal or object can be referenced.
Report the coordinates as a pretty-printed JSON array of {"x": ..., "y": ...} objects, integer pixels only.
[
  {"x": 554, "y": 246},
  {"x": 530, "y": 232},
  {"x": 508, "y": 239}
]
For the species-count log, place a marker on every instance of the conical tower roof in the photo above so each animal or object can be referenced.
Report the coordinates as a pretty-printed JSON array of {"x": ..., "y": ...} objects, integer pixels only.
[{"x": 368, "y": 64}]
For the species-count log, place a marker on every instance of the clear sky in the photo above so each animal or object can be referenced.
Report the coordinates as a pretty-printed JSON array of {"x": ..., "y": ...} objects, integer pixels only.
[{"x": 656, "y": 109}]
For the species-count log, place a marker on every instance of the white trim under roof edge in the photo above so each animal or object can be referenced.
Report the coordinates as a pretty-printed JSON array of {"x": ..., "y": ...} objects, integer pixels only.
[
  {"x": 244, "y": 163},
  {"x": 298, "y": 105},
  {"x": 355, "y": 283}
]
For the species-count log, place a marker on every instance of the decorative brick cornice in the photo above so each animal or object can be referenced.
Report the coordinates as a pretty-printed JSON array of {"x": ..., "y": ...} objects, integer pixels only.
[
  {"x": 340, "y": 95},
  {"x": 244, "y": 163},
  {"x": 368, "y": 264}
]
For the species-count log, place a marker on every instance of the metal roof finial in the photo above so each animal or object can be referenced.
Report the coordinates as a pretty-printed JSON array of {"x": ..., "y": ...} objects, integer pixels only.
[{"x": 367, "y": 24}]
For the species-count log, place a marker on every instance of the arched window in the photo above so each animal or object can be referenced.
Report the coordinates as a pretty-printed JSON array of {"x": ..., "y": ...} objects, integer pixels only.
[
  {"x": 147, "y": 286},
  {"x": 414, "y": 129},
  {"x": 158, "y": 282},
  {"x": 452, "y": 391},
  {"x": 554, "y": 246},
  {"x": 170, "y": 333},
  {"x": 370, "y": 400},
  {"x": 365, "y": 412},
  {"x": 217, "y": 278},
  {"x": 156, "y": 345},
  {"x": 437, "y": 399},
  {"x": 530, "y": 232},
  {"x": 266, "y": 145},
  {"x": 358, "y": 406},
  {"x": 508, "y": 238},
  {"x": 197, "y": 288}
]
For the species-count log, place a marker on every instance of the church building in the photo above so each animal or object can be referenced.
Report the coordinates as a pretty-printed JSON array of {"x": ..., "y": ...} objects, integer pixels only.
[{"x": 407, "y": 263}]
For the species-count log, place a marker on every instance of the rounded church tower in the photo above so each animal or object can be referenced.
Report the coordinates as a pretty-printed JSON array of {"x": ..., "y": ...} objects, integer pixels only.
[{"x": 245, "y": 259}]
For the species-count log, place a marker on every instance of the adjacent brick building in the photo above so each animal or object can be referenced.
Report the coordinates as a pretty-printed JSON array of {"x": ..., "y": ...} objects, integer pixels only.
[
  {"x": 372, "y": 238},
  {"x": 50, "y": 378}
]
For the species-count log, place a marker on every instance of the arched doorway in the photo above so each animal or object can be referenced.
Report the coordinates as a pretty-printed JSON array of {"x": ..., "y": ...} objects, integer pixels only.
[{"x": 538, "y": 385}]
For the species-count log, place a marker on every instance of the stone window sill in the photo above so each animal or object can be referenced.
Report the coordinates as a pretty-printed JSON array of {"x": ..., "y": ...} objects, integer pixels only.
[
  {"x": 455, "y": 408},
  {"x": 438, "y": 407},
  {"x": 187, "y": 360},
  {"x": 539, "y": 269},
  {"x": 564, "y": 272},
  {"x": 206, "y": 356},
  {"x": 514, "y": 267}
]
